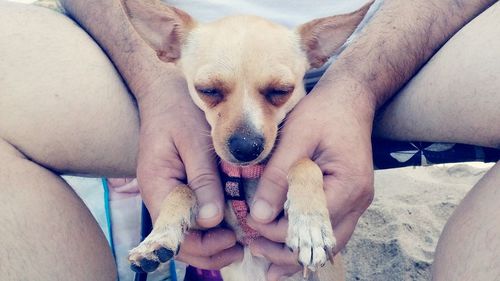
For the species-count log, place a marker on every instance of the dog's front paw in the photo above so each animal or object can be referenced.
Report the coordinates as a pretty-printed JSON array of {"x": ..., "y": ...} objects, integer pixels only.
[
  {"x": 160, "y": 246},
  {"x": 310, "y": 231},
  {"x": 310, "y": 234},
  {"x": 164, "y": 241}
]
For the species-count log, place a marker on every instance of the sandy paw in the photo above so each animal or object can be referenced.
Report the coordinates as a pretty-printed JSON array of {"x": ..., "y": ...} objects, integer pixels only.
[
  {"x": 159, "y": 247},
  {"x": 310, "y": 235},
  {"x": 176, "y": 217}
]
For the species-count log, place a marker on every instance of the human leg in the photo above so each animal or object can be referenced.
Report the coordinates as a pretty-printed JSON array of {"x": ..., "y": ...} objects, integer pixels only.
[
  {"x": 63, "y": 108},
  {"x": 62, "y": 103},
  {"x": 47, "y": 232},
  {"x": 469, "y": 247},
  {"x": 455, "y": 98}
]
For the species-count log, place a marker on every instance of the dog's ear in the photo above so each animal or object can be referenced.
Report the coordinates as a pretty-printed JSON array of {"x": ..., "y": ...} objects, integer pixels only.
[
  {"x": 322, "y": 38},
  {"x": 163, "y": 27}
]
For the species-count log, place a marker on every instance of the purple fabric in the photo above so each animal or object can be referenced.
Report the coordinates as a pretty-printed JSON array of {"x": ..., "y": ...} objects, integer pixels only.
[{"x": 196, "y": 274}]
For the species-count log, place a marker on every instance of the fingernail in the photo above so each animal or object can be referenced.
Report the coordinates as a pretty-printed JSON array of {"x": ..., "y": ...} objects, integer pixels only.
[
  {"x": 257, "y": 255},
  {"x": 208, "y": 211},
  {"x": 261, "y": 210},
  {"x": 255, "y": 252}
]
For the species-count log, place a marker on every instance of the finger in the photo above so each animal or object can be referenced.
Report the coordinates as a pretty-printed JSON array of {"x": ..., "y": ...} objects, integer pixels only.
[
  {"x": 271, "y": 191},
  {"x": 217, "y": 261},
  {"x": 275, "y": 231},
  {"x": 208, "y": 243},
  {"x": 203, "y": 176},
  {"x": 277, "y": 253},
  {"x": 278, "y": 272}
]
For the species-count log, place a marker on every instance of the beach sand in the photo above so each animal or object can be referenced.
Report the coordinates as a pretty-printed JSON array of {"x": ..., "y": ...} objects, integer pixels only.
[{"x": 396, "y": 237}]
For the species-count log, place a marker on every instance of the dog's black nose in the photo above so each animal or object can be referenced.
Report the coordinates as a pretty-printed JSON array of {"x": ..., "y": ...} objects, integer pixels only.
[{"x": 245, "y": 147}]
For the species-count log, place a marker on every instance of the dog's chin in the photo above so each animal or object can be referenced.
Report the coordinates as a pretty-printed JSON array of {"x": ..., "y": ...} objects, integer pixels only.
[{"x": 262, "y": 159}]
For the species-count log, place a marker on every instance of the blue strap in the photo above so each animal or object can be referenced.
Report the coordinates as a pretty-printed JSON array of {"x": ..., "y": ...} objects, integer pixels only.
[
  {"x": 107, "y": 210},
  {"x": 173, "y": 272}
]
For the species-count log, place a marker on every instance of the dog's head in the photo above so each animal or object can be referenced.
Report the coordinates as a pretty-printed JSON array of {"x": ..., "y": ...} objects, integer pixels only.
[{"x": 245, "y": 72}]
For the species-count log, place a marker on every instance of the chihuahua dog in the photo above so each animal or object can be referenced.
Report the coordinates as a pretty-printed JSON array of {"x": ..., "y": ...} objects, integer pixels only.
[{"x": 246, "y": 73}]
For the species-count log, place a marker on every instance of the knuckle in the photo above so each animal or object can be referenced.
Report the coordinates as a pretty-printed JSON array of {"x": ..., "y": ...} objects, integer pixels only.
[
  {"x": 366, "y": 200},
  {"x": 365, "y": 181},
  {"x": 203, "y": 178},
  {"x": 220, "y": 263},
  {"x": 363, "y": 192},
  {"x": 366, "y": 193},
  {"x": 210, "y": 264}
]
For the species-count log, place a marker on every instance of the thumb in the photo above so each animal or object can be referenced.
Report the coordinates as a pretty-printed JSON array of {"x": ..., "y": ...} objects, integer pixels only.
[
  {"x": 203, "y": 178},
  {"x": 273, "y": 185}
]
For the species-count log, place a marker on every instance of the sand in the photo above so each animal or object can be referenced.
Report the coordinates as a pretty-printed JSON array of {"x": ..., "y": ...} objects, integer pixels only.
[{"x": 396, "y": 237}]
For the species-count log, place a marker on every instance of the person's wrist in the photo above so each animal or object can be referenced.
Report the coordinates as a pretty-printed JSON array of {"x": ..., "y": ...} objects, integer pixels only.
[
  {"x": 158, "y": 94},
  {"x": 344, "y": 93},
  {"x": 152, "y": 77}
]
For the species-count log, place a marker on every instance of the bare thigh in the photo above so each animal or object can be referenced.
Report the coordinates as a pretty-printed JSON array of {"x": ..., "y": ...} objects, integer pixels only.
[
  {"x": 62, "y": 103},
  {"x": 63, "y": 109},
  {"x": 469, "y": 247},
  {"x": 455, "y": 97}
]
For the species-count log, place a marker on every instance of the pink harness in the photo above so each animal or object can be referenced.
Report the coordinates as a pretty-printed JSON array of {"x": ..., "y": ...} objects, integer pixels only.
[{"x": 233, "y": 179}]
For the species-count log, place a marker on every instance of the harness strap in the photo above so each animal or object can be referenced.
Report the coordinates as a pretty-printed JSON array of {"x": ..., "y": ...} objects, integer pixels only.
[{"x": 234, "y": 191}]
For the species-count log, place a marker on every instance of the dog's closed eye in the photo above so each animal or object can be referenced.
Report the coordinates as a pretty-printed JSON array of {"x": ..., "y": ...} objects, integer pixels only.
[
  {"x": 278, "y": 95},
  {"x": 211, "y": 95},
  {"x": 210, "y": 92}
]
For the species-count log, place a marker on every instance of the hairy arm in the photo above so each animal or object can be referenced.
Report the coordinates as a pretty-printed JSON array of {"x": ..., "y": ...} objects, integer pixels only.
[
  {"x": 339, "y": 113},
  {"x": 399, "y": 40},
  {"x": 172, "y": 143},
  {"x": 108, "y": 24}
]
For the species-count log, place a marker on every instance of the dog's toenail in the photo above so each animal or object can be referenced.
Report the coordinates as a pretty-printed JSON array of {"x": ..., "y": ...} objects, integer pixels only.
[
  {"x": 149, "y": 265},
  {"x": 164, "y": 254},
  {"x": 136, "y": 268}
]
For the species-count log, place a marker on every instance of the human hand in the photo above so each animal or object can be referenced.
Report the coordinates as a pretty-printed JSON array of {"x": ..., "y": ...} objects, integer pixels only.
[
  {"x": 338, "y": 118},
  {"x": 175, "y": 148}
]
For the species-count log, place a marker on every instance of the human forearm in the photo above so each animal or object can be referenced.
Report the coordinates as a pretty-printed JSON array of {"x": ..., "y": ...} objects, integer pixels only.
[
  {"x": 108, "y": 24},
  {"x": 398, "y": 41},
  {"x": 172, "y": 146}
]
